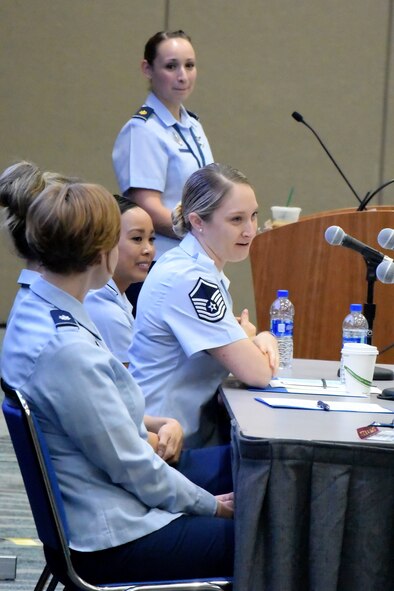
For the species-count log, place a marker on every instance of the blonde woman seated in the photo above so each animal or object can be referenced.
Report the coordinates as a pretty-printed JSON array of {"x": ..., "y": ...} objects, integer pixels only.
[{"x": 186, "y": 337}]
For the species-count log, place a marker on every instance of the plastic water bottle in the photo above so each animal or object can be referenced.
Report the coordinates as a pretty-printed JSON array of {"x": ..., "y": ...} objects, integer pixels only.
[
  {"x": 282, "y": 315},
  {"x": 354, "y": 330}
]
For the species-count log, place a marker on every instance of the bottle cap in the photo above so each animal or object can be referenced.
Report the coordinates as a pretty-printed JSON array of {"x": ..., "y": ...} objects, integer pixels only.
[
  {"x": 356, "y": 307},
  {"x": 282, "y": 293}
]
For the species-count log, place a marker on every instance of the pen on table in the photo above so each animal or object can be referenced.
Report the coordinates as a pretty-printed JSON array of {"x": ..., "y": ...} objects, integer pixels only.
[
  {"x": 377, "y": 424},
  {"x": 323, "y": 405}
]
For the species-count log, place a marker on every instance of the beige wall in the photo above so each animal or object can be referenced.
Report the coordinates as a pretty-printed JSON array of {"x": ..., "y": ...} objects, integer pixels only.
[{"x": 70, "y": 79}]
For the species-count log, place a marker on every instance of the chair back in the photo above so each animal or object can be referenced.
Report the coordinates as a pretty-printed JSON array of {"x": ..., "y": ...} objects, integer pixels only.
[
  {"x": 37, "y": 470},
  {"x": 47, "y": 507}
]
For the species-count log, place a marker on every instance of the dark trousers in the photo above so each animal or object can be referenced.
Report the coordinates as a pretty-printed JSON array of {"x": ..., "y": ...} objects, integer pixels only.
[
  {"x": 209, "y": 467},
  {"x": 190, "y": 547}
]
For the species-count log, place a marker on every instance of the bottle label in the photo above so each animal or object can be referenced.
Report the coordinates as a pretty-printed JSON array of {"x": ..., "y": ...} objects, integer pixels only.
[
  {"x": 355, "y": 339},
  {"x": 282, "y": 328}
]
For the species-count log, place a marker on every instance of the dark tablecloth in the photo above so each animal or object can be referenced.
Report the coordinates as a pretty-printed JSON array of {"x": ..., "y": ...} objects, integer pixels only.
[{"x": 313, "y": 516}]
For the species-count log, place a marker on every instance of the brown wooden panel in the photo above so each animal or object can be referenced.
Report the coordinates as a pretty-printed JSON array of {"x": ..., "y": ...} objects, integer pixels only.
[{"x": 322, "y": 280}]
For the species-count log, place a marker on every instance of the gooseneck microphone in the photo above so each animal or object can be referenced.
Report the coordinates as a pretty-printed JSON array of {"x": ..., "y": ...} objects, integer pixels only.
[
  {"x": 299, "y": 118},
  {"x": 370, "y": 196},
  {"x": 386, "y": 238},
  {"x": 337, "y": 237}
]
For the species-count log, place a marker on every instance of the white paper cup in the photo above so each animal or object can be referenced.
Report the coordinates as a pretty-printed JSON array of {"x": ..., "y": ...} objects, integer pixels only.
[
  {"x": 285, "y": 214},
  {"x": 359, "y": 364}
]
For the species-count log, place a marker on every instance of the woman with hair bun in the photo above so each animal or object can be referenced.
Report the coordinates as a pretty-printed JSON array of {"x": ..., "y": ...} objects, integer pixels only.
[
  {"x": 186, "y": 337},
  {"x": 20, "y": 184},
  {"x": 131, "y": 516}
]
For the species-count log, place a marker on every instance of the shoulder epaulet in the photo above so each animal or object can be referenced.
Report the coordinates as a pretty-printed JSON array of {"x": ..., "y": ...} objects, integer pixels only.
[
  {"x": 194, "y": 115},
  {"x": 63, "y": 318},
  {"x": 143, "y": 113}
]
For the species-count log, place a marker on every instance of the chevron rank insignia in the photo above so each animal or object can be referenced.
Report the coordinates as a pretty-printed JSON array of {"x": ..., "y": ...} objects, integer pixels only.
[
  {"x": 63, "y": 318},
  {"x": 208, "y": 301},
  {"x": 143, "y": 113}
]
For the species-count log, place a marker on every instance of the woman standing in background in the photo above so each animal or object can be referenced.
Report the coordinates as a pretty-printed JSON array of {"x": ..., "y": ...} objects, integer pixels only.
[{"x": 162, "y": 144}]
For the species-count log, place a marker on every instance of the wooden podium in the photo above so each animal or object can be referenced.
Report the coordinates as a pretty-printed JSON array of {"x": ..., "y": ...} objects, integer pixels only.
[{"x": 323, "y": 280}]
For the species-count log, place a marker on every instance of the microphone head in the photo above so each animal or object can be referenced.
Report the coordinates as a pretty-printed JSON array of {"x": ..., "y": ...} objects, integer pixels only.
[
  {"x": 385, "y": 271},
  {"x": 386, "y": 238},
  {"x": 297, "y": 117},
  {"x": 334, "y": 235}
]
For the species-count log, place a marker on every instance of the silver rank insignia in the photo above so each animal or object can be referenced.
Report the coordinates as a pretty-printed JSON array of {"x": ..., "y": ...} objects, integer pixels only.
[
  {"x": 177, "y": 138},
  {"x": 62, "y": 318},
  {"x": 208, "y": 301}
]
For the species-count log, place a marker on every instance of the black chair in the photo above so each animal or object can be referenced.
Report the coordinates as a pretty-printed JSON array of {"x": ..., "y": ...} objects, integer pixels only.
[{"x": 48, "y": 511}]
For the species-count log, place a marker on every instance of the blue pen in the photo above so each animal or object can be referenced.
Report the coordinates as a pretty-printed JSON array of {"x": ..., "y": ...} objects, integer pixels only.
[{"x": 323, "y": 405}]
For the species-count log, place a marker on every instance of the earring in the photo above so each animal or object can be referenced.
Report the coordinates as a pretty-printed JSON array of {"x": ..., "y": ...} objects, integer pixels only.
[{"x": 200, "y": 229}]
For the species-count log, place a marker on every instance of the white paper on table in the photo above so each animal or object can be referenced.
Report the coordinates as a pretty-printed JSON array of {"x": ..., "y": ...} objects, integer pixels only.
[
  {"x": 307, "y": 404},
  {"x": 386, "y": 436},
  {"x": 315, "y": 387}
]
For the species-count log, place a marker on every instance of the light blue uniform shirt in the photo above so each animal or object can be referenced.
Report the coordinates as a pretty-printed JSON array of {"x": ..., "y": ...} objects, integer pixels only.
[
  {"x": 115, "y": 488},
  {"x": 160, "y": 153},
  {"x": 112, "y": 313},
  {"x": 184, "y": 308},
  {"x": 25, "y": 279}
]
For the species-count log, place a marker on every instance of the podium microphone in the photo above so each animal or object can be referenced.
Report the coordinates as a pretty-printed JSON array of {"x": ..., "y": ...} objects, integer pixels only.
[
  {"x": 299, "y": 118},
  {"x": 337, "y": 237},
  {"x": 386, "y": 238},
  {"x": 380, "y": 266},
  {"x": 385, "y": 274},
  {"x": 385, "y": 271}
]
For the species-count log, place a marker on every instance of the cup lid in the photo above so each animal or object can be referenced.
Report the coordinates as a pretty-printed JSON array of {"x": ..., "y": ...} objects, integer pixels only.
[{"x": 359, "y": 349}]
